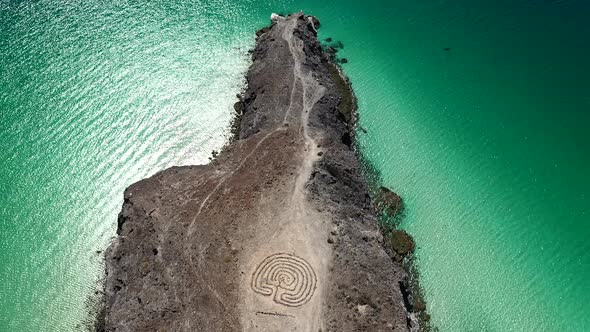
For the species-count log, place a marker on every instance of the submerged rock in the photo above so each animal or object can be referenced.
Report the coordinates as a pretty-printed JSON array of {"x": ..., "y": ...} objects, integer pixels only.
[
  {"x": 401, "y": 242},
  {"x": 389, "y": 202}
]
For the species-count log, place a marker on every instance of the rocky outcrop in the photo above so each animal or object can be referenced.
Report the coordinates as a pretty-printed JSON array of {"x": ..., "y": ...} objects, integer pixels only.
[{"x": 278, "y": 232}]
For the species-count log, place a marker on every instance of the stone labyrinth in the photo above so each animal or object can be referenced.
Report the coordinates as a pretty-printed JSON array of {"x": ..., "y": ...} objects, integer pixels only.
[{"x": 289, "y": 279}]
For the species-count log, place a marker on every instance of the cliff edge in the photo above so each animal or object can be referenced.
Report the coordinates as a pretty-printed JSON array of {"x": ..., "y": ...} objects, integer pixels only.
[{"x": 278, "y": 233}]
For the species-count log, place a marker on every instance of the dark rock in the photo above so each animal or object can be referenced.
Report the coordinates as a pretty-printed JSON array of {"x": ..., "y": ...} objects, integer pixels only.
[
  {"x": 316, "y": 22},
  {"x": 401, "y": 242},
  {"x": 239, "y": 107},
  {"x": 389, "y": 202},
  {"x": 262, "y": 31},
  {"x": 346, "y": 139}
]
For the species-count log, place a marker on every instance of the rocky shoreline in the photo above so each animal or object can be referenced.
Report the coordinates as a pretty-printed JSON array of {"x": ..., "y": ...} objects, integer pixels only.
[{"x": 279, "y": 231}]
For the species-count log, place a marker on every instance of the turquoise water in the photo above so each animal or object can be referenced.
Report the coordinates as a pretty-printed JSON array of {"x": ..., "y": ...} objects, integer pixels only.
[{"x": 486, "y": 142}]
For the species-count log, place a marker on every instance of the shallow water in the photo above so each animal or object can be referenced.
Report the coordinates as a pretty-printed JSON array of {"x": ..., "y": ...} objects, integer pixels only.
[{"x": 486, "y": 142}]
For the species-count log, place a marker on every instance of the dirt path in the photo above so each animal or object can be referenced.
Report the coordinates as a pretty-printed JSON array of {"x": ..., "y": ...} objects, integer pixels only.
[{"x": 283, "y": 283}]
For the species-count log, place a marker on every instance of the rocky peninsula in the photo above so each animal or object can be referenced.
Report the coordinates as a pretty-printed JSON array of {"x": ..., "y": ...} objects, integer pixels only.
[{"x": 278, "y": 232}]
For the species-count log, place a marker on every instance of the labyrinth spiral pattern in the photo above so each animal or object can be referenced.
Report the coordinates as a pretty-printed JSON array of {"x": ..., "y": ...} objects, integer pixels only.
[{"x": 289, "y": 279}]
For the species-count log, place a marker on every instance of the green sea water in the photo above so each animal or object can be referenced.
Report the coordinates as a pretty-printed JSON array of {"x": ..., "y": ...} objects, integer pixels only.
[{"x": 487, "y": 142}]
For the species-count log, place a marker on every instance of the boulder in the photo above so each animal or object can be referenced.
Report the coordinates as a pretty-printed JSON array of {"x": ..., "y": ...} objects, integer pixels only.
[{"x": 316, "y": 22}]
